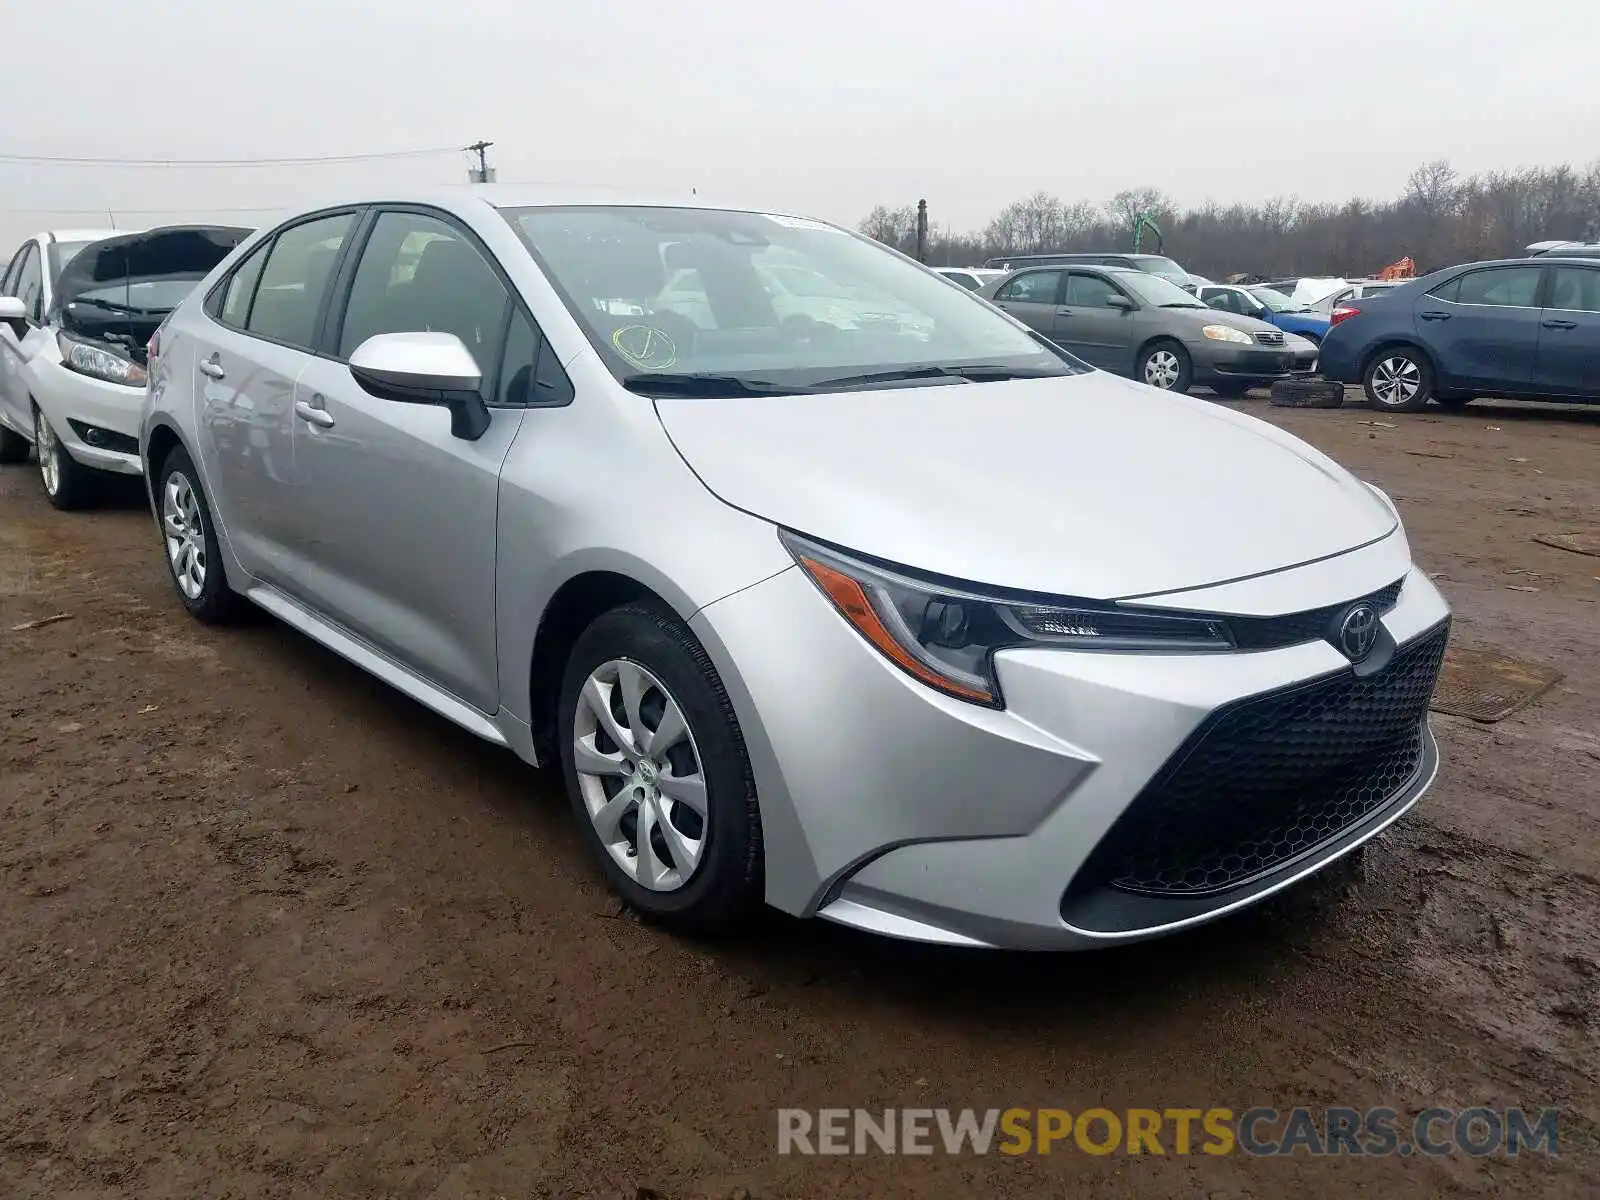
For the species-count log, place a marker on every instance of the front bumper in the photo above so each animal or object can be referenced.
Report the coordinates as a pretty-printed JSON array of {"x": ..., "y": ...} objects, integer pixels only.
[
  {"x": 889, "y": 807},
  {"x": 1261, "y": 364},
  {"x": 97, "y": 422}
]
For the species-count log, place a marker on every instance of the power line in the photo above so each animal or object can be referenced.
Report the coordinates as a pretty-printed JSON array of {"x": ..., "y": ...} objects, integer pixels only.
[{"x": 305, "y": 161}]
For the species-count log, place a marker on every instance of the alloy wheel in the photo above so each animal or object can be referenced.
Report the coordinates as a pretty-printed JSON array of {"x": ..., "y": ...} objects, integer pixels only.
[
  {"x": 47, "y": 448},
  {"x": 185, "y": 534},
  {"x": 1161, "y": 369},
  {"x": 1396, "y": 380},
  {"x": 639, "y": 775}
]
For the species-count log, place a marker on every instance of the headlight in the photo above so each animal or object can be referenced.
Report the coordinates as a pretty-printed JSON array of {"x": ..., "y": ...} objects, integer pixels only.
[
  {"x": 946, "y": 637},
  {"x": 1227, "y": 333},
  {"x": 86, "y": 358}
]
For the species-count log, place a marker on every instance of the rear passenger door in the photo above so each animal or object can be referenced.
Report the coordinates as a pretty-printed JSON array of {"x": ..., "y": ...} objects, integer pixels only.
[
  {"x": 264, "y": 318},
  {"x": 1569, "y": 333},
  {"x": 397, "y": 516},
  {"x": 1482, "y": 328},
  {"x": 1032, "y": 296}
]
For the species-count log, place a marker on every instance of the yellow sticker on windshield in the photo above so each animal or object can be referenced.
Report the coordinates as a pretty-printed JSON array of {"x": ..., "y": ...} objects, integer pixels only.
[{"x": 645, "y": 346}]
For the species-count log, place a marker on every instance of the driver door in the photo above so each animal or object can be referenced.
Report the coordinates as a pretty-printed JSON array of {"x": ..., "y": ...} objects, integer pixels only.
[{"x": 24, "y": 280}]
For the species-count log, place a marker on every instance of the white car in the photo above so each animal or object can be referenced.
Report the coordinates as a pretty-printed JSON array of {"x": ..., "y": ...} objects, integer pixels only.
[
  {"x": 974, "y": 279},
  {"x": 75, "y": 317}
]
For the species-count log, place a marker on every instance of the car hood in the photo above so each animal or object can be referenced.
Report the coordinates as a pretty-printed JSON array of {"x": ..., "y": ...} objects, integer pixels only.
[
  {"x": 123, "y": 266},
  {"x": 1089, "y": 485}
]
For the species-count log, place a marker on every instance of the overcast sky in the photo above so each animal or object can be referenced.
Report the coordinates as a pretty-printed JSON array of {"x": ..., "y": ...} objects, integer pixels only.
[{"x": 825, "y": 106}]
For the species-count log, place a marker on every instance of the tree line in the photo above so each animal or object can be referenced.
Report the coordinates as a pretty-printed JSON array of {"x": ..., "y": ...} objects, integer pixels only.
[{"x": 1440, "y": 219}]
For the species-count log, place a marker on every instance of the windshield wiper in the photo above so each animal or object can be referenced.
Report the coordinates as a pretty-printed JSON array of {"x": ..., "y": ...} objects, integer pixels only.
[
  {"x": 107, "y": 305},
  {"x": 966, "y": 372},
  {"x": 706, "y": 386},
  {"x": 1178, "y": 304}
]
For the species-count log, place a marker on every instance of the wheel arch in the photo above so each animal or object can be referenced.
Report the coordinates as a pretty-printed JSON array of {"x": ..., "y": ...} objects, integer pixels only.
[{"x": 161, "y": 440}]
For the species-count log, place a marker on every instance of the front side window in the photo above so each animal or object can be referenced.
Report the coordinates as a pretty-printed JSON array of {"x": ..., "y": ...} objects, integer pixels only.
[
  {"x": 1033, "y": 287},
  {"x": 1090, "y": 291},
  {"x": 420, "y": 274},
  {"x": 1505, "y": 287},
  {"x": 745, "y": 301},
  {"x": 295, "y": 278},
  {"x": 530, "y": 374},
  {"x": 28, "y": 283},
  {"x": 1576, "y": 289}
]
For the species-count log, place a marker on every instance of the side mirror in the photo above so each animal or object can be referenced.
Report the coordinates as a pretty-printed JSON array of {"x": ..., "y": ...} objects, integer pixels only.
[
  {"x": 1121, "y": 302},
  {"x": 425, "y": 368},
  {"x": 14, "y": 312}
]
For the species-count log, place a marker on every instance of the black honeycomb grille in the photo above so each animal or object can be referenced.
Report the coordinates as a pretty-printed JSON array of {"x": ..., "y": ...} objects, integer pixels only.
[
  {"x": 1263, "y": 782},
  {"x": 1268, "y": 633}
]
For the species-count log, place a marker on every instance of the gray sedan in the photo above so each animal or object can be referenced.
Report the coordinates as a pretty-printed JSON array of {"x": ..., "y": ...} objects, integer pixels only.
[{"x": 1136, "y": 324}]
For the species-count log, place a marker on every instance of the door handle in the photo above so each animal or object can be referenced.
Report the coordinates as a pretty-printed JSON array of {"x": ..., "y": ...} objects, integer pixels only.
[
  {"x": 212, "y": 366},
  {"x": 310, "y": 413},
  {"x": 1434, "y": 316},
  {"x": 1063, "y": 312},
  {"x": 1560, "y": 323}
]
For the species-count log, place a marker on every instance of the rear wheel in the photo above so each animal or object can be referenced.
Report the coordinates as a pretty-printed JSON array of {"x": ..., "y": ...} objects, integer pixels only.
[
  {"x": 1166, "y": 365},
  {"x": 13, "y": 446},
  {"x": 657, "y": 772},
  {"x": 189, "y": 538},
  {"x": 68, "y": 484},
  {"x": 1399, "y": 380}
]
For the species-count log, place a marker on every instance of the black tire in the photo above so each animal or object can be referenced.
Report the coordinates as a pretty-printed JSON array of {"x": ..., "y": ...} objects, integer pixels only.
[
  {"x": 1184, "y": 370},
  {"x": 1231, "y": 389},
  {"x": 726, "y": 885},
  {"x": 1307, "y": 393},
  {"x": 214, "y": 603},
  {"x": 13, "y": 446},
  {"x": 67, "y": 483},
  {"x": 1399, "y": 379}
]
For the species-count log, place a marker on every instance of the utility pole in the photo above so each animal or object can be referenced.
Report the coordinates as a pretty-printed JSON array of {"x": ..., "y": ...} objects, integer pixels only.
[
  {"x": 922, "y": 231},
  {"x": 483, "y": 172}
]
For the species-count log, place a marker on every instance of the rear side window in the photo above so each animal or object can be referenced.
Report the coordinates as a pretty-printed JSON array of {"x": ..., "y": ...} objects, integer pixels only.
[
  {"x": 1501, "y": 287},
  {"x": 234, "y": 306},
  {"x": 1035, "y": 287},
  {"x": 295, "y": 278}
]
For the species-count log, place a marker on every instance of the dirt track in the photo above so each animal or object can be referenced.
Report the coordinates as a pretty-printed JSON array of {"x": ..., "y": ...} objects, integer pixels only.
[{"x": 269, "y": 929}]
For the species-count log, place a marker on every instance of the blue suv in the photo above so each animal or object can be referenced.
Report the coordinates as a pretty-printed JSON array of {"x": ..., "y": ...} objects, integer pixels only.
[{"x": 1519, "y": 328}]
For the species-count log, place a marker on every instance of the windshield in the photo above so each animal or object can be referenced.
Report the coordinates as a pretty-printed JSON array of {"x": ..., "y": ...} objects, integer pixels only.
[
  {"x": 1164, "y": 268},
  {"x": 1153, "y": 289},
  {"x": 147, "y": 295},
  {"x": 1276, "y": 300},
  {"x": 744, "y": 302}
]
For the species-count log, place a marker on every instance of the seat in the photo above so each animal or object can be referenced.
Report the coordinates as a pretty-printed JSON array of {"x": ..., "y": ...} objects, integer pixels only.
[{"x": 454, "y": 291}]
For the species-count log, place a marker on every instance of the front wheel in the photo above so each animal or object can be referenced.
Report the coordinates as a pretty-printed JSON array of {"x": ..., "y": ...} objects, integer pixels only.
[
  {"x": 657, "y": 772},
  {"x": 68, "y": 484},
  {"x": 1399, "y": 380},
  {"x": 1166, "y": 365}
]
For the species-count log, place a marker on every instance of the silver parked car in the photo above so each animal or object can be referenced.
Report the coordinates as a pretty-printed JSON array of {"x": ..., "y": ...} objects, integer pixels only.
[
  {"x": 1136, "y": 324},
  {"x": 920, "y": 625}
]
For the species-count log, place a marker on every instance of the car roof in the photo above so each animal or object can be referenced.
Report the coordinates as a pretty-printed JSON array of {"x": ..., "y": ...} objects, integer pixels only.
[
  {"x": 456, "y": 198},
  {"x": 77, "y": 235}
]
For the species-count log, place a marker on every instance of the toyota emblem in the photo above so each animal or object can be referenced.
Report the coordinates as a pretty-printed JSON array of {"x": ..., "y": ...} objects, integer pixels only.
[{"x": 1358, "y": 631}]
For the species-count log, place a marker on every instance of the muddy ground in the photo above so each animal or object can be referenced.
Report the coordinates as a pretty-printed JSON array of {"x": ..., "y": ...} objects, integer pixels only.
[{"x": 270, "y": 929}]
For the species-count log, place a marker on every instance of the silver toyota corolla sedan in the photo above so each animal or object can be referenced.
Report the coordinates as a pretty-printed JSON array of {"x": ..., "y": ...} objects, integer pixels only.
[{"x": 879, "y": 608}]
